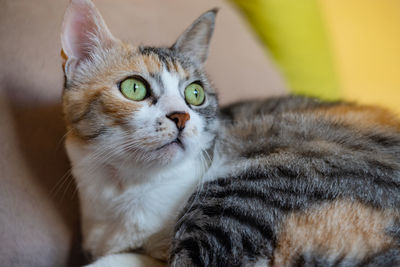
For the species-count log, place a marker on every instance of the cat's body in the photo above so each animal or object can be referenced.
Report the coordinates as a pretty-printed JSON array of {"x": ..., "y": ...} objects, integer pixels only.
[
  {"x": 302, "y": 183},
  {"x": 288, "y": 181}
]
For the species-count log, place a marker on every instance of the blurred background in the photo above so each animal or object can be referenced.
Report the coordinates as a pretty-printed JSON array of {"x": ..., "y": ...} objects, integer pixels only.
[{"x": 333, "y": 49}]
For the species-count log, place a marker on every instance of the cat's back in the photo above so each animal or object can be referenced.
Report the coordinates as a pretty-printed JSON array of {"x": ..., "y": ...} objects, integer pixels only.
[
  {"x": 304, "y": 128},
  {"x": 306, "y": 183},
  {"x": 315, "y": 111}
]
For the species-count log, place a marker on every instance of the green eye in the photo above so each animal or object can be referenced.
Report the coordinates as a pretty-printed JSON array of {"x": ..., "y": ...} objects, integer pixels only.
[
  {"x": 133, "y": 89},
  {"x": 194, "y": 94}
]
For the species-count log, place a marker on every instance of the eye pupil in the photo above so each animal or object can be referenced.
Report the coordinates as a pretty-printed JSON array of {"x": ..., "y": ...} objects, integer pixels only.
[
  {"x": 194, "y": 94},
  {"x": 133, "y": 89}
]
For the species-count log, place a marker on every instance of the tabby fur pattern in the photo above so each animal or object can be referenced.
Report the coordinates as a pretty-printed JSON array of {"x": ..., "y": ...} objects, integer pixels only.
[{"x": 297, "y": 182}]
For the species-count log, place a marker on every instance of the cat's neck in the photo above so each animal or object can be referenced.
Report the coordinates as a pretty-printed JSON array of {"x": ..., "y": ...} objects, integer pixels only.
[{"x": 142, "y": 201}]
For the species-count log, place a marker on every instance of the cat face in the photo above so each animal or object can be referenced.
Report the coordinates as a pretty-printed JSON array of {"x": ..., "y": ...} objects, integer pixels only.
[{"x": 144, "y": 105}]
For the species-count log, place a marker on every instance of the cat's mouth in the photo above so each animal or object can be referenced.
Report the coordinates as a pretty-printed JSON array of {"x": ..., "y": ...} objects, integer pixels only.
[{"x": 176, "y": 142}]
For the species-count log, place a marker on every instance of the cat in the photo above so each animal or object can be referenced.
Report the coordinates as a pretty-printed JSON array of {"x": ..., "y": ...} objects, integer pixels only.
[
  {"x": 289, "y": 181},
  {"x": 141, "y": 123},
  {"x": 297, "y": 182}
]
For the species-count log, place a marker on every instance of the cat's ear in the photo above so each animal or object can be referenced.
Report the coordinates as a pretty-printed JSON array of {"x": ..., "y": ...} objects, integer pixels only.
[
  {"x": 83, "y": 31},
  {"x": 195, "y": 40}
]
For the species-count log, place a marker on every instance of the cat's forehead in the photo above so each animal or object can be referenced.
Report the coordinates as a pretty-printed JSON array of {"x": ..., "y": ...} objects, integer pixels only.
[
  {"x": 161, "y": 67},
  {"x": 158, "y": 60},
  {"x": 164, "y": 66}
]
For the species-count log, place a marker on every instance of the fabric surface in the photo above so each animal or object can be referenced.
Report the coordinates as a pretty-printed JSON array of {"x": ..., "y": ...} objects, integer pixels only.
[
  {"x": 39, "y": 223},
  {"x": 346, "y": 49}
]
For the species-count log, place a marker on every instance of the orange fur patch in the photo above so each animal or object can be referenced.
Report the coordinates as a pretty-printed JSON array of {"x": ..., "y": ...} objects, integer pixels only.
[
  {"x": 80, "y": 101},
  {"x": 64, "y": 58},
  {"x": 177, "y": 68},
  {"x": 362, "y": 116},
  {"x": 75, "y": 105},
  {"x": 117, "y": 108},
  {"x": 152, "y": 63},
  {"x": 340, "y": 228}
]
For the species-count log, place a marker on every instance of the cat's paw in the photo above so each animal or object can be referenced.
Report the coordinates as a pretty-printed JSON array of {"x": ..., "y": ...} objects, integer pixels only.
[{"x": 126, "y": 260}]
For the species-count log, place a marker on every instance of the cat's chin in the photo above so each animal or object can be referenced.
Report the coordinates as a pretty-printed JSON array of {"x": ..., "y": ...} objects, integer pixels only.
[
  {"x": 175, "y": 144},
  {"x": 171, "y": 151}
]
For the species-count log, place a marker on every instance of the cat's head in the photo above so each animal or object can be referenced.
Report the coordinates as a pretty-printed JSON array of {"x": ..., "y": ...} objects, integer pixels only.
[{"x": 143, "y": 104}]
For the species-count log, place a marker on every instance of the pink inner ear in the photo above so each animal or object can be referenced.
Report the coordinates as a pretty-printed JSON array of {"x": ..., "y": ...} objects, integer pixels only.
[{"x": 83, "y": 29}]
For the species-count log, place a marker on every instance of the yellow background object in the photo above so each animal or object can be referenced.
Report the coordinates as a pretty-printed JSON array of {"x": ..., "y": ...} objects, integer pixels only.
[
  {"x": 365, "y": 37},
  {"x": 294, "y": 33},
  {"x": 348, "y": 49}
]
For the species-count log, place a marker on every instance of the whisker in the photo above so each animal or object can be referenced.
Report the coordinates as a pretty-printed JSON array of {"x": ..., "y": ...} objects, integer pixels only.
[
  {"x": 60, "y": 183},
  {"x": 61, "y": 141}
]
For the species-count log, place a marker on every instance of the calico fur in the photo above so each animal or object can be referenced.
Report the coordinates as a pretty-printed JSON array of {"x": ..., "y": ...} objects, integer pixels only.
[
  {"x": 289, "y": 181},
  {"x": 299, "y": 182},
  {"x": 134, "y": 164}
]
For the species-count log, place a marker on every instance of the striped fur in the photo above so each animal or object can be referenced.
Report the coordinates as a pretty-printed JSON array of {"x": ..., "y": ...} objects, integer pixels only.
[
  {"x": 288, "y": 182},
  {"x": 303, "y": 183}
]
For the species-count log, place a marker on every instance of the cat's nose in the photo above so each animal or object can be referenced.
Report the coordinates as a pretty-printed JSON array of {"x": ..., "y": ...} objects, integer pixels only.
[{"x": 180, "y": 118}]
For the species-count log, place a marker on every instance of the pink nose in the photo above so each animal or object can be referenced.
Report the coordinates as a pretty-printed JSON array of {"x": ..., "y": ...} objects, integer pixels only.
[{"x": 180, "y": 118}]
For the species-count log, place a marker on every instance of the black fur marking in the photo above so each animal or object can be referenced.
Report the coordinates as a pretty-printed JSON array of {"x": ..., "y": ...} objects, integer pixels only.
[
  {"x": 220, "y": 235},
  {"x": 299, "y": 261},
  {"x": 99, "y": 132},
  {"x": 248, "y": 195},
  {"x": 387, "y": 257},
  {"x": 240, "y": 216},
  {"x": 89, "y": 113},
  {"x": 189, "y": 225},
  {"x": 192, "y": 247},
  {"x": 385, "y": 140},
  {"x": 248, "y": 245}
]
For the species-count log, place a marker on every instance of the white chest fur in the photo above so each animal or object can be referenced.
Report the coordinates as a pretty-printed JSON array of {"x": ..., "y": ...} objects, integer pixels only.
[{"x": 124, "y": 208}]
